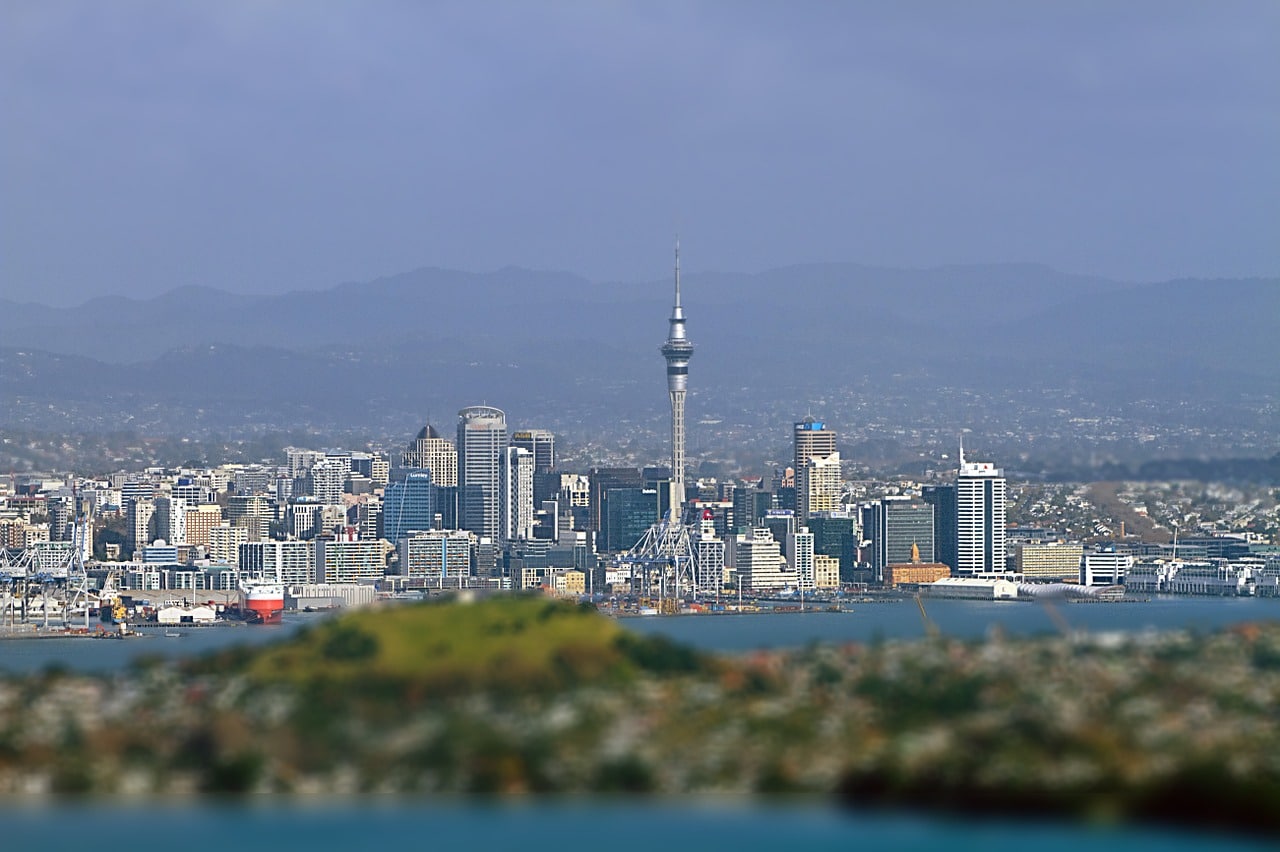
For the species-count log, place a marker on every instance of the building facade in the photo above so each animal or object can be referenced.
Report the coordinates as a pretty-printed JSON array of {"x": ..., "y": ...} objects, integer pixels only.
[
  {"x": 482, "y": 446},
  {"x": 980, "y": 519}
]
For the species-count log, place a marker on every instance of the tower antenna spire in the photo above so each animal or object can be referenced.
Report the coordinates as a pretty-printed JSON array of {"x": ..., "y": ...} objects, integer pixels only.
[{"x": 677, "y": 270}]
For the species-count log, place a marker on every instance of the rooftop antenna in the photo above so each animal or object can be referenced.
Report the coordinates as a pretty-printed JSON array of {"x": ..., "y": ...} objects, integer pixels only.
[{"x": 962, "y": 449}]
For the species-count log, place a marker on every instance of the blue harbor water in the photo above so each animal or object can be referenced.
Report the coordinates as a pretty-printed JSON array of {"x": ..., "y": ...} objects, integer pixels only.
[
  {"x": 964, "y": 619},
  {"x": 562, "y": 825},
  {"x": 864, "y": 622}
]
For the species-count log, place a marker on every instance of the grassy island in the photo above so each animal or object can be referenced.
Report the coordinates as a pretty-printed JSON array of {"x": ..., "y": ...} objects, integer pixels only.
[{"x": 525, "y": 695}]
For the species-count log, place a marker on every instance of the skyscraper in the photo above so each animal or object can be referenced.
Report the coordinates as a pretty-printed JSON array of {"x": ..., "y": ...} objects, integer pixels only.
[
  {"x": 408, "y": 505},
  {"x": 943, "y": 500},
  {"x": 677, "y": 351},
  {"x": 435, "y": 454},
  {"x": 482, "y": 444},
  {"x": 817, "y": 468},
  {"x": 980, "y": 518},
  {"x": 541, "y": 443},
  {"x": 900, "y": 527},
  {"x": 517, "y": 494}
]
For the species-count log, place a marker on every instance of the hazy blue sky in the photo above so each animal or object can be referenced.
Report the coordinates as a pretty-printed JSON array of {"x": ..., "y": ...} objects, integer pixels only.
[{"x": 266, "y": 146}]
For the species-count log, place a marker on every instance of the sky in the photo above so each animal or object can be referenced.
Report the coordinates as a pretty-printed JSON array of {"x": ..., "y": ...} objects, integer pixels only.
[{"x": 271, "y": 146}]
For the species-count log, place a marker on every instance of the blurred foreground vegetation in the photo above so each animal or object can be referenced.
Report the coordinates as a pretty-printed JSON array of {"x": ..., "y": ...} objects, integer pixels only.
[{"x": 526, "y": 695}]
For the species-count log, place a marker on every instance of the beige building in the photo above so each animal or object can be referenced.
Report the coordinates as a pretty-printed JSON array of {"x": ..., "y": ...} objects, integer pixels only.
[
  {"x": 914, "y": 573},
  {"x": 571, "y": 583},
  {"x": 200, "y": 520},
  {"x": 826, "y": 571},
  {"x": 436, "y": 454},
  {"x": 1052, "y": 561},
  {"x": 224, "y": 542}
]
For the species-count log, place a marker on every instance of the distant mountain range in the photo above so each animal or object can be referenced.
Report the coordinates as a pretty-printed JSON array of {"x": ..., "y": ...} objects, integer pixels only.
[{"x": 444, "y": 335}]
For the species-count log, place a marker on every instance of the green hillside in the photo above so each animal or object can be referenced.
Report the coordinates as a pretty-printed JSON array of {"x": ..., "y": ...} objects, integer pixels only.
[{"x": 509, "y": 642}]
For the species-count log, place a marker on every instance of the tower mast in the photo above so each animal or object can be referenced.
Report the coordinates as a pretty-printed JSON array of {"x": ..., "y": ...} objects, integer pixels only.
[{"x": 677, "y": 351}]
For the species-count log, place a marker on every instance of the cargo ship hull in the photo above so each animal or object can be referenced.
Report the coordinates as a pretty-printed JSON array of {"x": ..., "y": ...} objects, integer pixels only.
[{"x": 262, "y": 603}]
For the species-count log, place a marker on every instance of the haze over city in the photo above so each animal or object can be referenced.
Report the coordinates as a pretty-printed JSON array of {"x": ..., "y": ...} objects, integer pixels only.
[{"x": 262, "y": 148}]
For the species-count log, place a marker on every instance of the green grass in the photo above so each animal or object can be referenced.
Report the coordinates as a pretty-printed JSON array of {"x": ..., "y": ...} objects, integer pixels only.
[{"x": 515, "y": 642}]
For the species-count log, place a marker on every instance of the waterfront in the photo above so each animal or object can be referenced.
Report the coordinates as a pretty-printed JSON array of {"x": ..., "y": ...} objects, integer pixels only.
[
  {"x": 964, "y": 619},
  {"x": 864, "y": 622},
  {"x": 267, "y": 824}
]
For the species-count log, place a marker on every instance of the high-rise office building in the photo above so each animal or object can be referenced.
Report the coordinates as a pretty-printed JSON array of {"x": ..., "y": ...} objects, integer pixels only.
[
  {"x": 835, "y": 534},
  {"x": 600, "y": 480},
  {"x": 757, "y": 561},
  {"x": 437, "y": 557},
  {"x": 943, "y": 500},
  {"x": 980, "y": 518},
  {"x": 816, "y": 468},
  {"x": 800, "y": 557},
  {"x": 171, "y": 519},
  {"x": 517, "y": 494},
  {"x": 482, "y": 446},
  {"x": 408, "y": 505},
  {"x": 901, "y": 531},
  {"x": 541, "y": 443},
  {"x": 626, "y": 514},
  {"x": 677, "y": 351},
  {"x": 431, "y": 452}
]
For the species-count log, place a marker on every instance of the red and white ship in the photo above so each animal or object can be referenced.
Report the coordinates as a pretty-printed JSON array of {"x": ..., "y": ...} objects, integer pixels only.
[{"x": 262, "y": 601}]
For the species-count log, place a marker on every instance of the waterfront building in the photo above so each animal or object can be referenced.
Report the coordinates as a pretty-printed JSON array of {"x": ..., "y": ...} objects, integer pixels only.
[
  {"x": 835, "y": 535},
  {"x": 972, "y": 587},
  {"x": 569, "y": 583},
  {"x": 1049, "y": 561},
  {"x": 350, "y": 561},
  {"x": 980, "y": 519},
  {"x": 943, "y": 500},
  {"x": 800, "y": 557},
  {"x": 482, "y": 445},
  {"x": 757, "y": 562},
  {"x": 709, "y": 549},
  {"x": 898, "y": 527},
  {"x": 1105, "y": 566},
  {"x": 290, "y": 562},
  {"x": 915, "y": 572},
  {"x": 436, "y": 557},
  {"x": 826, "y": 571}
]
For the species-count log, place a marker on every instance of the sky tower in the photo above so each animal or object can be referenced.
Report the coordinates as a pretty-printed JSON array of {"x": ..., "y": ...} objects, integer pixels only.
[{"x": 677, "y": 350}]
